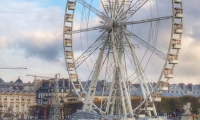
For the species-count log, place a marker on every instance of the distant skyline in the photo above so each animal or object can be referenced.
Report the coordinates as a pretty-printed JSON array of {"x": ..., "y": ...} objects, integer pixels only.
[{"x": 31, "y": 37}]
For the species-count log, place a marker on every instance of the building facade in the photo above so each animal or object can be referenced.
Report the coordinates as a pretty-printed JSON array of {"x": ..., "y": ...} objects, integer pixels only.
[
  {"x": 46, "y": 90},
  {"x": 18, "y": 96}
]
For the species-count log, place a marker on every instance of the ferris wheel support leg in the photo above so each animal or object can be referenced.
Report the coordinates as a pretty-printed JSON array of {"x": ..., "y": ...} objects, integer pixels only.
[
  {"x": 92, "y": 89},
  {"x": 145, "y": 87},
  {"x": 138, "y": 71},
  {"x": 116, "y": 60},
  {"x": 122, "y": 86}
]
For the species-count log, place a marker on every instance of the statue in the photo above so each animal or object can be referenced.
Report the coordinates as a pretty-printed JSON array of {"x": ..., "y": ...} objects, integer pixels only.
[{"x": 187, "y": 109}]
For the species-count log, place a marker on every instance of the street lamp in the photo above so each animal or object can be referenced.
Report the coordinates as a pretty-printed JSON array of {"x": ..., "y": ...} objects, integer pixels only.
[
  {"x": 44, "y": 102},
  {"x": 62, "y": 107}
]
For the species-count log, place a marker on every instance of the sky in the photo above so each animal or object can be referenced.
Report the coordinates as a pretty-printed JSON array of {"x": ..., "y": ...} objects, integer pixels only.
[{"x": 31, "y": 36}]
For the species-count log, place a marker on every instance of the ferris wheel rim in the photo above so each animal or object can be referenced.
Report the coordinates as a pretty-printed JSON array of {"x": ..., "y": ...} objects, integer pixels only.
[{"x": 166, "y": 63}]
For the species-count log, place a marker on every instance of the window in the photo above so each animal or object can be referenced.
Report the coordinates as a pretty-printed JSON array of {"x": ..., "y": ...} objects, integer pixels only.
[
  {"x": 11, "y": 98},
  {"x": 5, "y": 107},
  {"x": 12, "y": 106},
  {"x": 5, "y": 97},
  {"x": 17, "y": 108},
  {"x": 22, "y": 98},
  {"x": 17, "y": 97},
  {"x": 28, "y": 98},
  {"x": 22, "y": 107}
]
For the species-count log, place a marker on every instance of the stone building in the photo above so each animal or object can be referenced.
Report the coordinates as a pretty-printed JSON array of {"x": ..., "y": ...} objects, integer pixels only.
[
  {"x": 17, "y": 95},
  {"x": 45, "y": 88},
  {"x": 174, "y": 90}
]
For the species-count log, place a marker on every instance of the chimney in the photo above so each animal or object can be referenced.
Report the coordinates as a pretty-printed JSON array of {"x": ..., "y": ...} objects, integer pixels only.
[
  {"x": 190, "y": 86},
  {"x": 63, "y": 83},
  {"x": 182, "y": 85}
]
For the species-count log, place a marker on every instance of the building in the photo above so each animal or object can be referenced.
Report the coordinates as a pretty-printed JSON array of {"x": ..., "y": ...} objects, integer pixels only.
[
  {"x": 18, "y": 96},
  {"x": 45, "y": 89},
  {"x": 181, "y": 89},
  {"x": 174, "y": 90}
]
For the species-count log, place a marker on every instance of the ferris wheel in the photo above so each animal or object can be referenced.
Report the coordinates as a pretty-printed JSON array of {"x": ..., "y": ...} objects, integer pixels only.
[{"x": 117, "y": 48}]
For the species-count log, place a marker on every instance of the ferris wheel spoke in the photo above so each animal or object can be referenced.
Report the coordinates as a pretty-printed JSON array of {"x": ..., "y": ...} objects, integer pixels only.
[
  {"x": 88, "y": 29},
  {"x": 132, "y": 9},
  {"x": 104, "y": 7},
  {"x": 147, "y": 20},
  {"x": 91, "y": 8},
  {"x": 90, "y": 50},
  {"x": 147, "y": 45}
]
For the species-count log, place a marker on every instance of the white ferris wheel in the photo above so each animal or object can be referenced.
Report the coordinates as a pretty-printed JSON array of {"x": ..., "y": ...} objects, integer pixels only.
[{"x": 116, "y": 46}]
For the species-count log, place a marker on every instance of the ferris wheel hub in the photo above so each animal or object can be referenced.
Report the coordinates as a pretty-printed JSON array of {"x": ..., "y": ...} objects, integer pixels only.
[{"x": 108, "y": 24}]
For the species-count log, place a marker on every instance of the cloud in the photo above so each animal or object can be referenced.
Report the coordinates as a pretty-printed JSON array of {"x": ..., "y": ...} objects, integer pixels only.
[
  {"x": 36, "y": 30},
  {"x": 189, "y": 65},
  {"x": 41, "y": 44},
  {"x": 31, "y": 36}
]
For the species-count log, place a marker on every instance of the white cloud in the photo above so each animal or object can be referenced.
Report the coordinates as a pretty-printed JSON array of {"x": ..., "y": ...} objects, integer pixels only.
[{"x": 31, "y": 36}]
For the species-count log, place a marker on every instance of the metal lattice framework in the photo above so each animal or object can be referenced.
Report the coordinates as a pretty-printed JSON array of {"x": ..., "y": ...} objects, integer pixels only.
[
  {"x": 55, "y": 103},
  {"x": 117, "y": 42}
]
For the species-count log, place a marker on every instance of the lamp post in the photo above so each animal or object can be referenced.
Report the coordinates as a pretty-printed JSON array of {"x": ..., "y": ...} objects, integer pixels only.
[
  {"x": 61, "y": 108},
  {"x": 44, "y": 102}
]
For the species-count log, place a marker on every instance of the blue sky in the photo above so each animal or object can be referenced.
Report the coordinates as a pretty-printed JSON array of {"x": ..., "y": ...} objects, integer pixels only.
[{"x": 31, "y": 36}]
